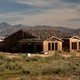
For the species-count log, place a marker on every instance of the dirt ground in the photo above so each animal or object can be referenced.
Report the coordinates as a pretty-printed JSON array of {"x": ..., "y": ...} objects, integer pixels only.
[{"x": 18, "y": 55}]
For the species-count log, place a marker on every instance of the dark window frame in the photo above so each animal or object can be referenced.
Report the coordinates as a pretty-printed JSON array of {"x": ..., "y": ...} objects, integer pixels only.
[
  {"x": 49, "y": 46},
  {"x": 74, "y": 45},
  {"x": 52, "y": 46},
  {"x": 56, "y": 46},
  {"x": 79, "y": 45}
]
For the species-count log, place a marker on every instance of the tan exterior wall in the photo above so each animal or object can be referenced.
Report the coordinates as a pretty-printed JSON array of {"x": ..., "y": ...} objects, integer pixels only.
[
  {"x": 60, "y": 46},
  {"x": 45, "y": 45},
  {"x": 74, "y": 40}
]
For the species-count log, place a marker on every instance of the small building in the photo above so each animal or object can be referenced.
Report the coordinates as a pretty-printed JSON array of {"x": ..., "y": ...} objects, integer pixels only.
[
  {"x": 36, "y": 45},
  {"x": 24, "y": 41},
  {"x": 71, "y": 43},
  {"x": 11, "y": 42}
]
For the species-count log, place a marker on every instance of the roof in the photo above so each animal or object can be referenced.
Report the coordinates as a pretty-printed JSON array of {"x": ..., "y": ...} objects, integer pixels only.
[
  {"x": 68, "y": 37},
  {"x": 75, "y": 37},
  {"x": 21, "y": 30},
  {"x": 79, "y": 40},
  {"x": 26, "y": 40},
  {"x": 2, "y": 37},
  {"x": 53, "y": 38},
  {"x": 44, "y": 34}
]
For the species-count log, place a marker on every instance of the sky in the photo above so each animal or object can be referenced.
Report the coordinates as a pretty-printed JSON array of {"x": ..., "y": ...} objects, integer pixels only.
[{"x": 64, "y": 13}]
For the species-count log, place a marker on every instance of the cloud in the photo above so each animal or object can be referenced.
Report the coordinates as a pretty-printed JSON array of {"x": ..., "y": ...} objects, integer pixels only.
[
  {"x": 71, "y": 1},
  {"x": 44, "y": 5},
  {"x": 34, "y": 6},
  {"x": 75, "y": 20},
  {"x": 36, "y": 2},
  {"x": 34, "y": 12},
  {"x": 7, "y": 6},
  {"x": 50, "y": 17}
]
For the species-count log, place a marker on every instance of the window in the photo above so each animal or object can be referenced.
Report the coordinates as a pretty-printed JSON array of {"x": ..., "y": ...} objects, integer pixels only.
[
  {"x": 39, "y": 47},
  {"x": 74, "y": 45},
  {"x": 79, "y": 45},
  {"x": 49, "y": 48},
  {"x": 52, "y": 46},
  {"x": 56, "y": 46}
]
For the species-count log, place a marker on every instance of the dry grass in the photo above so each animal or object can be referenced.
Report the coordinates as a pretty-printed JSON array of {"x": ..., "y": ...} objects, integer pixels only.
[{"x": 39, "y": 67}]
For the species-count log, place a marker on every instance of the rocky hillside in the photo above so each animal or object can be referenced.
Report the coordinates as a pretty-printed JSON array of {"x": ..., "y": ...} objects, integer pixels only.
[{"x": 7, "y": 29}]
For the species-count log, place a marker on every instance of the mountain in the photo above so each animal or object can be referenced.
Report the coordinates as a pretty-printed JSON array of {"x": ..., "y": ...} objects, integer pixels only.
[
  {"x": 4, "y": 25},
  {"x": 56, "y": 28},
  {"x": 62, "y": 29},
  {"x": 7, "y": 29}
]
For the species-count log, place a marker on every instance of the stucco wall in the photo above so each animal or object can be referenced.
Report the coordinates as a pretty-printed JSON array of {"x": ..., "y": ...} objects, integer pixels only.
[
  {"x": 45, "y": 45},
  {"x": 74, "y": 40}
]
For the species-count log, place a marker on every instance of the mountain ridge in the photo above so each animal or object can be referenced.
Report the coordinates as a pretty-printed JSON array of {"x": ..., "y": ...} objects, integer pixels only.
[{"x": 7, "y": 29}]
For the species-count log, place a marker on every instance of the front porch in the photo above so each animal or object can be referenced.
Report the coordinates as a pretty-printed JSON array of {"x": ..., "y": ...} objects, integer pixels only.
[{"x": 31, "y": 46}]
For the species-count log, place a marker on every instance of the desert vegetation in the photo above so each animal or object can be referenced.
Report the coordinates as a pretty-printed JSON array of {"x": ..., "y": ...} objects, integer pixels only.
[{"x": 55, "y": 67}]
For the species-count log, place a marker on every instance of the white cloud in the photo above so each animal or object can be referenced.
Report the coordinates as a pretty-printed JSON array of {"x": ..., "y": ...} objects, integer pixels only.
[
  {"x": 58, "y": 15},
  {"x": 38, "y": 3},
  {"x": 50, "y": 17}
]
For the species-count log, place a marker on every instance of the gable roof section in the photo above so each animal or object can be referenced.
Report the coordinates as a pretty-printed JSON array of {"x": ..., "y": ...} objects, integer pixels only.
[
  {"x": 42, "y": 38},
  {"x": 68, "y": 37},
  {"x": 76, "y": 37},
  {"x": 53, "y": 38},
  {"x": 21, "y": 32}
]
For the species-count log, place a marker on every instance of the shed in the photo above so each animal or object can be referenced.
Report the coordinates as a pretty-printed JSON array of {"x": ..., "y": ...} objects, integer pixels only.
[{"x": 71, "y": 43}]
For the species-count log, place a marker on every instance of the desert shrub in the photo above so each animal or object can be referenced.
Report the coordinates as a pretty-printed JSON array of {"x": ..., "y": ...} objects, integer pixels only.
[
  {"x": 35, "y": 58},
  {"x": 2, "y": 62},
  {"x": 2, "y": 68},
  {"x": 66, "y": 49},
  {"x": 23, "y": 79},
  {"x": 15, "y": 59},
  {"x": 32, "y": 59},
  {"x": 26, "y": 72},
  {"x": 52, "y": 58},
  {"x": 53, "y": 70},
  {"x": 38, "y": 66},
  {"x": 13, "y": 66},
  {"x": 2, "y": 57},
  {"x": 58, "y": 52},
  {"x": 55, "y": 57}
]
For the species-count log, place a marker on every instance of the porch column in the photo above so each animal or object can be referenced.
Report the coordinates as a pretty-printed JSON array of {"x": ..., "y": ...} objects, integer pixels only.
[
  {"x": 70, "y": 45},
  {"x": 77, "y": 45}
]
